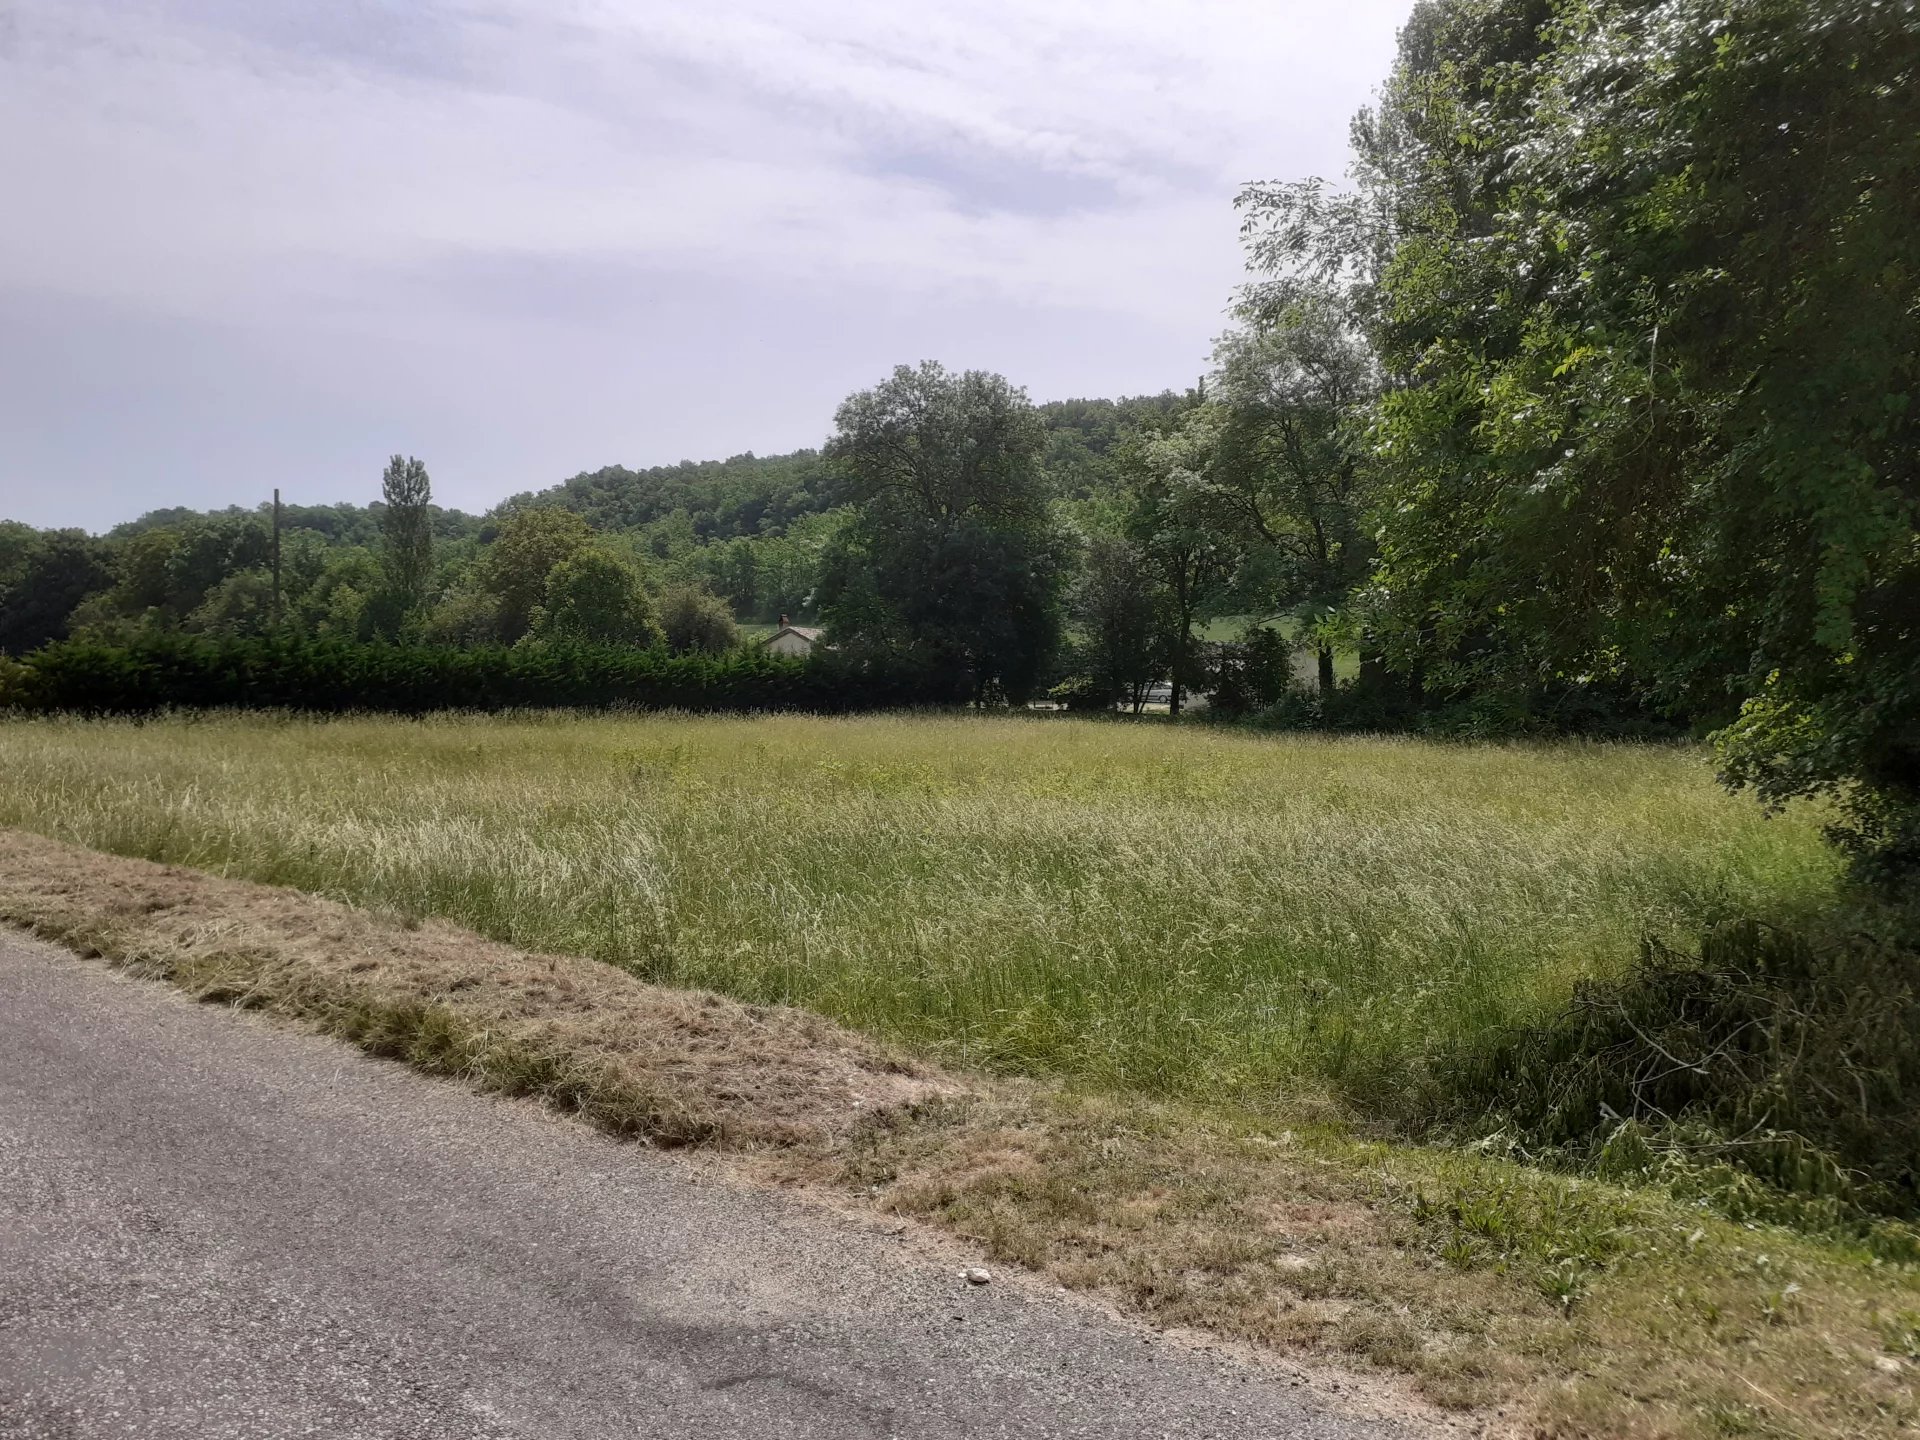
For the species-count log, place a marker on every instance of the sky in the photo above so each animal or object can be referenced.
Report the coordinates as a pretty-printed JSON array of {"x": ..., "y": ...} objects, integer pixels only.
[{"x": 253, "y": 243}]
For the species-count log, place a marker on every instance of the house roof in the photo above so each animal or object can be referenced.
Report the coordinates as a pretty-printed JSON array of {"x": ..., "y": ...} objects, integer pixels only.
[{"x": 805, "y": 632}]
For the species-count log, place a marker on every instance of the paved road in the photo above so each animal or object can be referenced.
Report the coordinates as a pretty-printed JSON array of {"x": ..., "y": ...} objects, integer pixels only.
[{"x": 211, "y": 1228}]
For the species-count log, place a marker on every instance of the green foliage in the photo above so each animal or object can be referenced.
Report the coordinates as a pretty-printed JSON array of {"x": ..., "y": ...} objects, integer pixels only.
[
  {"x": 925, "y": 447},
  {"x": 241, "y": 604},
  {"x": 17, "y": 542},
  {"x": 951, "y": 561},
  {"x": 1290, "y": 475},
  {"x": 328, "y": 590},
  {"x": 46, "y": 575},
  {"x": 1119, "y": 612},
  {"x": 201, "y": 556},
  {"x": 16, "y": 684},
  {"x": 1649, "y": 308},
  {"x": 719, "y": 499},
  {"x": 1787, "y": 1056},
  {"x": 1255, "y": 674},
  {"x": 697, "y": 623},
  {"x": 146, "y": 580},
  {"x": 1087, "y": 438},
  {"x": 406, "y": 531},
  {"x": 342, "y": 524},
  {"x": 753, "y": 497},
  {"x": 1171, "y": 521},
  {"x": 598, "y": 599},
  {"x": 464, "y": 616},
  {"x": 764, "y": 576},
  {"x": 514, "y": 568},
  {"x": 170, "y": 671}
]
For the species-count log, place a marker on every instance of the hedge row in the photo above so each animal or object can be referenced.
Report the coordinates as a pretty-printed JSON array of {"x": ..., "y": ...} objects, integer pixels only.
[{"x": 286, "y": 673}]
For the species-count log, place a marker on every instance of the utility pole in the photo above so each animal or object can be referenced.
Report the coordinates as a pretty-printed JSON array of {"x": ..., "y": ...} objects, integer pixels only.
[{"x": 276, "y": 557}]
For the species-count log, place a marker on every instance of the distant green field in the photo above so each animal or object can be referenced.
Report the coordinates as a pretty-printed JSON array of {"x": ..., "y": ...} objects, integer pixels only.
[
  {"x": 1232, "y": 627},
  {"x": 1346, "y": 664},
  {"x": 1168, "y": 910}
]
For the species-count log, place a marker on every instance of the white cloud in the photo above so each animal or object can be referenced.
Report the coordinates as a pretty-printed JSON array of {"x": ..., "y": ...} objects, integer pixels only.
[{"x": 294, "y": 171}]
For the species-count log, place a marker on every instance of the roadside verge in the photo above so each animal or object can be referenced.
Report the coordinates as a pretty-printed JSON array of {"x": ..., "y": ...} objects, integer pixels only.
[
  {"x": 1540, "y": 1304},
  {"x": 672, "y": 1067}
]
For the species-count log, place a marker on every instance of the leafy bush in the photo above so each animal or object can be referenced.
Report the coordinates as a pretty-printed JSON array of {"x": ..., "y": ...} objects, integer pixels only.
[
  {"x": 170, "y": 671},
  {"x": 16, "y": 684},
  {"x": 1082, "y": 694},
  {"x": 1254, "y": 674},
  {"x": 1790, "y": 1057},
  {"x": 697, "y": 623},
  {"x": 595, "y": 598}
]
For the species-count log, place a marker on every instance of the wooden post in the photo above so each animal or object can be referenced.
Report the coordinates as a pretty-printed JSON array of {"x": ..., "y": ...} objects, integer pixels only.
[{"x": 276, "y": 556}]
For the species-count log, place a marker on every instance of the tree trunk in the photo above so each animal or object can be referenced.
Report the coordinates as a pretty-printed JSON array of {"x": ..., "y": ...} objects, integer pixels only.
[
  {"x": 1326, "y": 672},
  {"x": 1182, "y": 637}
]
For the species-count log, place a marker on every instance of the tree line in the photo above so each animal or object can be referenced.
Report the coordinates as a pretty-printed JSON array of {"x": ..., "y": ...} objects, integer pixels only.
[
  {"x": 1589, "y": 403},
  {"x": 750, "y": 532}
]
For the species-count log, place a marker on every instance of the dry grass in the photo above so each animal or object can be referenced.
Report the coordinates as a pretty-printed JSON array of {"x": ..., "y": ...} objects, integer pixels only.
[
  {"x": 1548, "y": 1306},
  {"x": 1551, "y": 1306},
  {"x": 671, "y": 1066}
]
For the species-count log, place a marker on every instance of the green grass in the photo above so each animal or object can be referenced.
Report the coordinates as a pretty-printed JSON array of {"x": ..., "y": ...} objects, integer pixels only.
[
  {"x": 1226, "y": 628},
  {"x": 1250, "y": 926},
  {"x": 1232, "y": 627},
  {"x": 1191, "y": 913}
]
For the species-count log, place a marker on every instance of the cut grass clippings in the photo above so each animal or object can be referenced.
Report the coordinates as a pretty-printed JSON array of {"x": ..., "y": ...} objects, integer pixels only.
[
  {"x": 1551, "y": 1306},
  {"x": 675, "y": 1067}
]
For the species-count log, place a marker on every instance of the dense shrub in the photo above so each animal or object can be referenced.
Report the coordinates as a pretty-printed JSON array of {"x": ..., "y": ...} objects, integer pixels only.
[
  {"x": 697, "y": 623},
  {"x": 1253, "y": 673},
  {"x": 16, "y": 683},
  {"x": 164, "y": 671},
  {"x": 1791, "y": 1058},
  {"x": 1081, "y": 694}
]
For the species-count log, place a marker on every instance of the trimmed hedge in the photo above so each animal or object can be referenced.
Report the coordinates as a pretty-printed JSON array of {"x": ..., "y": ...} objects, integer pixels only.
[{"x": 165, "y": 672}]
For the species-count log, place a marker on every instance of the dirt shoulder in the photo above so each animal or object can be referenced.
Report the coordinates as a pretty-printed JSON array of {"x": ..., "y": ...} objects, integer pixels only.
[
  {"x": 675, "y": 1067},
  {"x": 1523, "y": 1302}
]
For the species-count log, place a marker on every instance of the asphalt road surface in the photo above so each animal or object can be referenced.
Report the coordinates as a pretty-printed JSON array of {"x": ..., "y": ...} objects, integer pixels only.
[{"x": 211, "y": 1227}]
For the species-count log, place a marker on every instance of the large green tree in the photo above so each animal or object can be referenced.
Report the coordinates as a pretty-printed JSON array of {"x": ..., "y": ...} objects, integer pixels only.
[
  {"x": 1174, "y": 521},
  {"x": 595, "y": 597},
  {"x": 1295, "y": 380},
  {"x": 513, "y": 570},
  {"x": 44, "y": 575},
  {"x": 1647, "y": 293},
  {"x": 952, "y": 555}
]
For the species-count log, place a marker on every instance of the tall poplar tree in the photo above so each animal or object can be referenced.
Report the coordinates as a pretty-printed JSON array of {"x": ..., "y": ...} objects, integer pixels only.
[{"x": 406, "y": 530}]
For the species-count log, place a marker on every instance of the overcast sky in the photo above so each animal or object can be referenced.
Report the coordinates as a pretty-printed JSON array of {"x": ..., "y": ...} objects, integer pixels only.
[{"x": 260, "y": 242}]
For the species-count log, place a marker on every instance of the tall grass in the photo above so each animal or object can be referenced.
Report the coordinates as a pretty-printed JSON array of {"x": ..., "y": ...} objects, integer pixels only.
[{"x": 1166, "y": 910}]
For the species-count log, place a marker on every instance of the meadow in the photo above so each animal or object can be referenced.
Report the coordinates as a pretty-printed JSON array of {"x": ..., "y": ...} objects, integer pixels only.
[{"x": 1266, "y": 921}]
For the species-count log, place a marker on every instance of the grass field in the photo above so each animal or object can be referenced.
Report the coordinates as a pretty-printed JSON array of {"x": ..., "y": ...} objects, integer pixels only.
[
  {"x": 1220, "y": 939},
  {"x": 1173, "y": 911}
]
